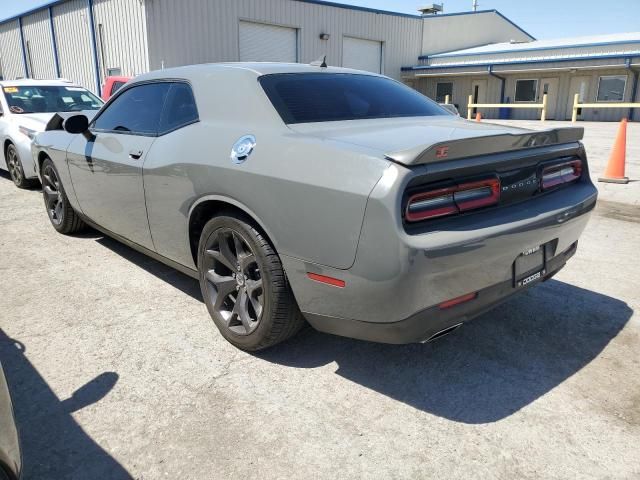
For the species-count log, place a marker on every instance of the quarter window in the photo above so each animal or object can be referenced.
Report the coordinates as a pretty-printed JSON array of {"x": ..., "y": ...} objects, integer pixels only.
[
  {"x": 136, "y": 111},
  {"x": 611, "y": 88},
  {"x": 180, "y": 109},
  {"x": 442, "y": 90},
  {"x": 526, "y": 90}
]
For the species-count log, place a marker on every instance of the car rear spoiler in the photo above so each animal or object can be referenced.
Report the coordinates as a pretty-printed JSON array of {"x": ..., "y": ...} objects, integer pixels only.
[{"x": 484, "y": 145}]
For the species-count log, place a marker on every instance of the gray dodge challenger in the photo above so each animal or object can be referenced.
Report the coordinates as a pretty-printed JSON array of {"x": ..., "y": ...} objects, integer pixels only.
[{"x": 300, "y": 192}]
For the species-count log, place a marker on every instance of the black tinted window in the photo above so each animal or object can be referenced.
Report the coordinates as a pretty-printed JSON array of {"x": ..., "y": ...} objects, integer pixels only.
[
  {"x": 137, "y": 110},
  {"x": 325, "y": 97},
  {"x": 116, "y": 86},
  {"x": 180, "y": 108}
]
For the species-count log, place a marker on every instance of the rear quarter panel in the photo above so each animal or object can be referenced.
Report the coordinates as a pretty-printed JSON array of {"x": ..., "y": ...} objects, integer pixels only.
[{"x": 308, "y": 196}]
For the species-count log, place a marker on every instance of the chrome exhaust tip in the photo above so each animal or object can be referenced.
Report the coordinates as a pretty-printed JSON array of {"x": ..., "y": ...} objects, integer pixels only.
[{"x": 443, "y": 332}]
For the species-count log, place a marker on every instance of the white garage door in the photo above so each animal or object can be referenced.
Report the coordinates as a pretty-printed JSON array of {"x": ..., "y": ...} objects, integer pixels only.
[
  {"x": 267, "y": 43},
  {"x": 362, "y": 54}
]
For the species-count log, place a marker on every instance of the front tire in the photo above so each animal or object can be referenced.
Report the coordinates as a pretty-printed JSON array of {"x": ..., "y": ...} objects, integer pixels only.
[
  {"x": 244, "y": 285},
  {"x": 14, "y": 165},
  {"x": 61, "y": 214}
]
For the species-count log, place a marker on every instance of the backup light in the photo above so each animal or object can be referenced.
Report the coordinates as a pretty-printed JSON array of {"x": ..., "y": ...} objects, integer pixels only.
[
  {"x": 559, "y": 174},
  {"x": 453, "y": 200}
]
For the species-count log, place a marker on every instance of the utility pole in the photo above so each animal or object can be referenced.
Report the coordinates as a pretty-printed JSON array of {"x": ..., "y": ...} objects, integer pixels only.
[{"x": 475, "y": 5}]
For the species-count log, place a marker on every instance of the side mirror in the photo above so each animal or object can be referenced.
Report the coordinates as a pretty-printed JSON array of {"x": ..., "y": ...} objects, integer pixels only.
[{"x": 76, "y": 124}]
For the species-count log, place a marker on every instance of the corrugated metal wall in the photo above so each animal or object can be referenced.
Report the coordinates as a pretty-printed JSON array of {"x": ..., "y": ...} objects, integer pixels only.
[
  {"x": 445, "y": 33},
  {"x": 547, "y": 55},
  {"x": 71, "y": 24},
  {"x": 462, "y": 88},
  {"x": 39, "y": 47},
  {"x": 11, "y": 51},
  {"x": 200, "y": 31},
  {"x": 121, "y": 33},
  {"x": 562, "y": 110}
]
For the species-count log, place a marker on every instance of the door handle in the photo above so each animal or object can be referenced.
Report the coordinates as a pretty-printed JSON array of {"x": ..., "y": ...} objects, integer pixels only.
[{"x": 135, "y": 154}]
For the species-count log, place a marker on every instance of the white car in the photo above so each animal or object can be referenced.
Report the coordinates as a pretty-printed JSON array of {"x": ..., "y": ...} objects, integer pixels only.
[{"x": 25, "y": 108}]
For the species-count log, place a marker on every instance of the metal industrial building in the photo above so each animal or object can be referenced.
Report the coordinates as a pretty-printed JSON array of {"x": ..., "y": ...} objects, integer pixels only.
[
  {"x": 600, "y": 68},
  {"x": 480, "y": 53}
]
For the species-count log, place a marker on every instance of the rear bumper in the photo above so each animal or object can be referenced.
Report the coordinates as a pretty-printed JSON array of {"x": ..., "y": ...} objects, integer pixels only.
[
  {"x": 424, "y": 325},
  {"x": 393, "y": 290}
]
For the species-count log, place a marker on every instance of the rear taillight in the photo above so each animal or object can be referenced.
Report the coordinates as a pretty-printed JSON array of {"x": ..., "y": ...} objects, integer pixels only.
[
  {"x": 452, "y": 200},
  {"x": 559, "y": 174}
]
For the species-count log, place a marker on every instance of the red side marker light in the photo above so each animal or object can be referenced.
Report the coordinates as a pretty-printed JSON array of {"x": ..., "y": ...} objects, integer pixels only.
[
  {"x": 457, "y": 301},
  {"x": 334, "y": 282}
]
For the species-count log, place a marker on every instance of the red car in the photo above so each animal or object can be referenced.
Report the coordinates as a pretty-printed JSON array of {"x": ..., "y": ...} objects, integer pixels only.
[{"x": 112, "y": 85}]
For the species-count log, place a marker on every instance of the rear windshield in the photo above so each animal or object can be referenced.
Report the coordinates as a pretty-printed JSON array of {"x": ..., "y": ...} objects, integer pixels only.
[
  {"x": 50, "y": 99},
  {"x": 327, "y": 97}
]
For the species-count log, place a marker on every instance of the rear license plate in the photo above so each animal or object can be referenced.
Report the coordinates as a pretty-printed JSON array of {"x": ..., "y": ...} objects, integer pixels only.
[{"x": 529, "y": 267}]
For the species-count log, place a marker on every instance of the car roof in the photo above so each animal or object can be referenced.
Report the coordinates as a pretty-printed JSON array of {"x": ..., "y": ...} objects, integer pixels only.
[
  {"x": 28, "y": 82},
  {"x": 256, "y": 68}
]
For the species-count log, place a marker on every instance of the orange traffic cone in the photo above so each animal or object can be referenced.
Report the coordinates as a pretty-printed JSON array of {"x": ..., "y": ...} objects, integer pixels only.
[
  {"x": 478, "y": 117},
  {"x": 615, "y": 169}
]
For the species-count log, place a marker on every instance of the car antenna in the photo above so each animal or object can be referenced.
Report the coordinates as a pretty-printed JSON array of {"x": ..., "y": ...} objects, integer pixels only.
[{"x": 321, "y": 62}]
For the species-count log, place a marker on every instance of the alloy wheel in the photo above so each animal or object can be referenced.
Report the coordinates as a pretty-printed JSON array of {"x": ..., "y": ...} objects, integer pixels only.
[
  {"x": 14, "y": 166},
  {"x": 52, "y": 195},
  {"x": 233, "y": 280}
]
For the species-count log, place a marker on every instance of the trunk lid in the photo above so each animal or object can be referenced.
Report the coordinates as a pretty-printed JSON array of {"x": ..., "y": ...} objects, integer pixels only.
[{"x": 416, "y": 141}]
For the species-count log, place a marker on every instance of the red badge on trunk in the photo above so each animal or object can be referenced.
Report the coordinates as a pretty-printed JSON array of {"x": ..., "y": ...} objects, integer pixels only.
[{"x": 442, "y": 152}]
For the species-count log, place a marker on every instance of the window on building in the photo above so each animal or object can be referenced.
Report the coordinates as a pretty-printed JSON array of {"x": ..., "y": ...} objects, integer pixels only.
[
  {"x": 611, "y": 88},
  {"x": 114, "y": 72},
  {"x": 442, "y": 90},
  {"x": 526, "y": 90},
  {"x": 136, "y": 111}
]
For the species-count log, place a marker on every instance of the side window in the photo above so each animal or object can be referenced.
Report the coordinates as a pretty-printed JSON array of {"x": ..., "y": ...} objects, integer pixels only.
[
  {"x": 116, "y": 86},
  {"x": 136, "y": 111},
  {"x": 180, "y": 109},
  {"x": 526, "y": 90},
  {"x": 442, "y": 90}
]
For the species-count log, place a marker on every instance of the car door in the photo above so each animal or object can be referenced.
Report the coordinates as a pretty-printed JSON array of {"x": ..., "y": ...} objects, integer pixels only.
[{"x": 106, "y": 164}]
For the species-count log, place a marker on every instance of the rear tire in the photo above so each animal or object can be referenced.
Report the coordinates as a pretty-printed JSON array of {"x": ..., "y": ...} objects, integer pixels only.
[
  {"x": 61, "y": 214},
  {"x": 244, "y": 285},
  {"x": 14, "y": 165}
]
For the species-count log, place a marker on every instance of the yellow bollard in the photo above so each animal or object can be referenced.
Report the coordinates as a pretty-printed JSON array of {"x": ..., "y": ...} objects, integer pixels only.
[
  {"x": 469, "y": 107},
  {"x": 447, "y": 99},
  {"x": 544, "y": 108},
  {"x": 576, "y": 102}
]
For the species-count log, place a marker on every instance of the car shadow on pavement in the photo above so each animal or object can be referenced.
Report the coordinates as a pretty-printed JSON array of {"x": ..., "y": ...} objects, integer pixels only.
[
  {"x": 179, "y": 280},
  {"x": 53, "y": 445},
  {"x": 36, "y": 187},
  {"x": 487, "y": 370}
]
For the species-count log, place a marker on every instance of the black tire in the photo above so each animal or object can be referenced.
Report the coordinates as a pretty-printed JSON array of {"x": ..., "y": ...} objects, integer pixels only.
[
  {"x": 256, "y": 261},
  {"x": 61, "y": 214},
  {"x": 14, "y": 165}
]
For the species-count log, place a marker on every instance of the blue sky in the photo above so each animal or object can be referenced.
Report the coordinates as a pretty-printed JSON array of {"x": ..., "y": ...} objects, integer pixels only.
[{"x": 541, "y": 18}]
